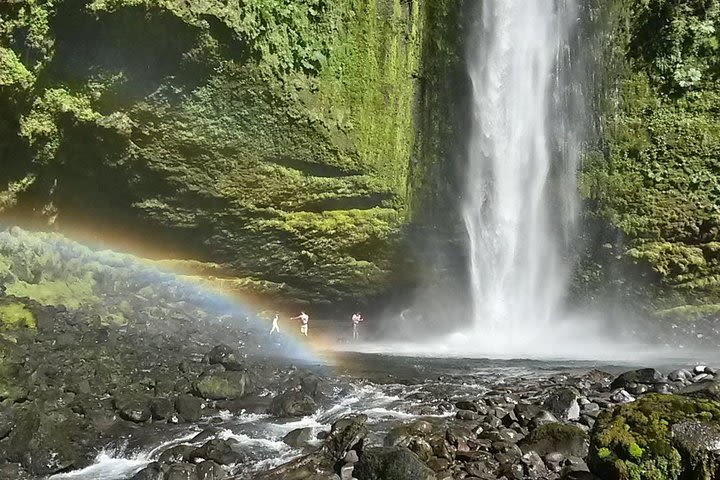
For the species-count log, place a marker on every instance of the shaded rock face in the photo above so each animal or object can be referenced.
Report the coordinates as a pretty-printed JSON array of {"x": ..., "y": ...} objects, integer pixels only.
[
  {"x": 290, "y": 170},
  {"x": 391, "y": 463}
]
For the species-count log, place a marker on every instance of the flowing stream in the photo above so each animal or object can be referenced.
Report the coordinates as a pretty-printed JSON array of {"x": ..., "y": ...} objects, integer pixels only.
[{"x": 520, "y": 199}]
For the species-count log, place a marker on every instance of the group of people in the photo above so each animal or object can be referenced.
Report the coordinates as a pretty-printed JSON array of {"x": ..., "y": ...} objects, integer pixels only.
[{"x": 305, "y": 320}]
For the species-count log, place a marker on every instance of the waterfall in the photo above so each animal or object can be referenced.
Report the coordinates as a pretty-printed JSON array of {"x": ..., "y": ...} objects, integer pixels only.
[{"x": 520, "y": 200}]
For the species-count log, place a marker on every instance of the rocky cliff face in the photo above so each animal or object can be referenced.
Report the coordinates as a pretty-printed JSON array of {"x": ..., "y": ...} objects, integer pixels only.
[
  {"x": 652, "y": 186},
  {"x": 272, "y": 138}
]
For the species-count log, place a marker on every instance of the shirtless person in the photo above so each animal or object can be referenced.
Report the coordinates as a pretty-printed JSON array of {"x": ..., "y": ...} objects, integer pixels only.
[
  {"x": 275, "y": 327},
  {"x": 304, "y": 318},
  {"x": 356, "y": 319}
]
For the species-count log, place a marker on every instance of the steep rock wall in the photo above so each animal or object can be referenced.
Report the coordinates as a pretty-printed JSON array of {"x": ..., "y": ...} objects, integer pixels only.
[
  {"x": 272, "y": 138},
  {"x": 652, "y": 185}
]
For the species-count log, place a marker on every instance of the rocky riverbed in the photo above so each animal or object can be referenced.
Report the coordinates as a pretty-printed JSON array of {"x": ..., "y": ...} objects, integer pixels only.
[{"x": 141, "y": 375}]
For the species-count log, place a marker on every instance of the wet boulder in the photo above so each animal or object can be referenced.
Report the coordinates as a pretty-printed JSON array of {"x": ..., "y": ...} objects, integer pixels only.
[
  {"x": 224, "y": 452},
  {"x": 189, "y": 408},
  {"x": 648, "y": 376},
  {"x": 181, "y": 471},
  {"x": 563, "y": 403},
  {"x": 228, "y": 357},
  {"x": 391, "y": 463},
  {"x": 161, "y": 408},
  {"x": 292, "y": 404},
  {"x": 223, "y": 385},
  {"x": 709, "y": 389},
  {"x": 47, "y": 442},
  {"x": 133, "y": 407},
  {"x": 152, "y": 472},
  {"x": 209, "y": 470},
  {"x": 7, "y": 422},
  {"x": 176, "y": 454},
  {"x": 300, "y": 437},
  {"x": 345, "y": 434},
  {"x": 556, "y": 437}
]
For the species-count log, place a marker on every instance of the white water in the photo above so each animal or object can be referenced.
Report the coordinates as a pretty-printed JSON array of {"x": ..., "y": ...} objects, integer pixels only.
[{"x": 520, "y": 198}]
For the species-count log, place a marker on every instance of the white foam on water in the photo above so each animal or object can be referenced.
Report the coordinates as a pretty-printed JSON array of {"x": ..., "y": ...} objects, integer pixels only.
[
  {"x": 106, "y": 467},
  {"x": 114, "y": 464},
  {"x": 243, "y": 439}
]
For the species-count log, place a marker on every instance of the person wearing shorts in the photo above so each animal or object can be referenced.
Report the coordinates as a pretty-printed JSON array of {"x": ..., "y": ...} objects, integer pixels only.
[{"x": 304, "y": 319}]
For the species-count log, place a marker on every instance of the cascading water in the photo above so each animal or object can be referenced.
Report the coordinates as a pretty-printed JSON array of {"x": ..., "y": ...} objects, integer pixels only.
[{"x": 520, "y": 198}]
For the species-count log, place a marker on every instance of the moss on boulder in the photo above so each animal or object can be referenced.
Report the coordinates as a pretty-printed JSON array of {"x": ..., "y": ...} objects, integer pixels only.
[{"x": 652, "y": 439}]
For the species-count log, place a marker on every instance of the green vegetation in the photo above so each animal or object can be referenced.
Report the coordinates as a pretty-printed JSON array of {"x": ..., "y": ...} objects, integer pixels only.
[
  {"x": 16, "y": 315},
  {"x": 211, "y": 125},
  {"x": 634, "y": 441},
  {"x": 657, "y": 184}
]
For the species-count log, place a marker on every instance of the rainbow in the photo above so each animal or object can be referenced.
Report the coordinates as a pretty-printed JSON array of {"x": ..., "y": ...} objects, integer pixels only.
[{"x": 208, "y": 292}]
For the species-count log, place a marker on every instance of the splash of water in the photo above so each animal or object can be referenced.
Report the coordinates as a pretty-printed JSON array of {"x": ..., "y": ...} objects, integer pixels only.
[{"x": 520, "y": 199}]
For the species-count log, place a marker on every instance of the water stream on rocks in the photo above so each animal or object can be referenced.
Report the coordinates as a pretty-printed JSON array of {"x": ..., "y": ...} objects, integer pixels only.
[{"x": 387, "y": 389}]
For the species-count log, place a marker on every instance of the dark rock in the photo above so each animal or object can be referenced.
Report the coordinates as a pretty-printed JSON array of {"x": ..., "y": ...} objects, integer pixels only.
[
  {"x": 466, "y": 415},
  {"x": 47, "y": 442},
  {"x": 591, "y": 409},
  {"x": 209, "y": 470},
  {"x": 534, "y": 466},
  {"x": 293, "y": 404},
  {"x": 300, "y": 437},
  {"x": 345, "y": 435},
  {"x": 680, "y": 375},
  {"x": 543, "y": 418},
  {"x": 189, "y": 408},
  {"x": 151, "y": 472},
  {"x": 698, "y": 443},
  {"x": 525, "y": 412},
  {"x": 563, "y": 403},
  {"x": 648, "y": 376},
  {"x": 7, "y": 422},
  {"x": 13, "y": 471},
  {"x": 468, "y": 405},
  {"x": 709, "y": 389},
  {"x": 556, "y": 437},
  {"x": 176, "y": 454},
  {"x": 223, "y": 385},
  {"x": 161, "y": 408},
  {"x": 638, "y": 388},
  {"x": 133, "y": 407},
  {"x": 227, "y": 357},
  {"x": 224, "y": 452},
  {"x": 391, "y": 463},
  {"x": 421, "y": 448},
  {"x": 181, "y": 471},
  {"x": 207, "y": 434}
]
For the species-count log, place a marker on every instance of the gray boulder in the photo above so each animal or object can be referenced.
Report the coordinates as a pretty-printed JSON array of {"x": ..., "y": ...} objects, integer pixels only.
[{"x": 391, "y": 463}]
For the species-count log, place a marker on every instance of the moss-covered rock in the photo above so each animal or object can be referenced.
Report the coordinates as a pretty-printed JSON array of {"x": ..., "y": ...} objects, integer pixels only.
[
  {"x": 16, "y": 315},
  {"x": 653, "y": 182},
  {"x": 273, "y": 139},
  {"x": 223, "y": 385},
  {"x": 653, "y": 438},
  {"x": 556, "y": 437}
]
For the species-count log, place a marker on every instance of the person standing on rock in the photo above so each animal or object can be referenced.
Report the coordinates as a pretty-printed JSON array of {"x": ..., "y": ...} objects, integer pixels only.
[
  {"x": 356, "y": 319},
  {"x": 304, "y": 318},
  {"x": 275, "y": 327}
]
